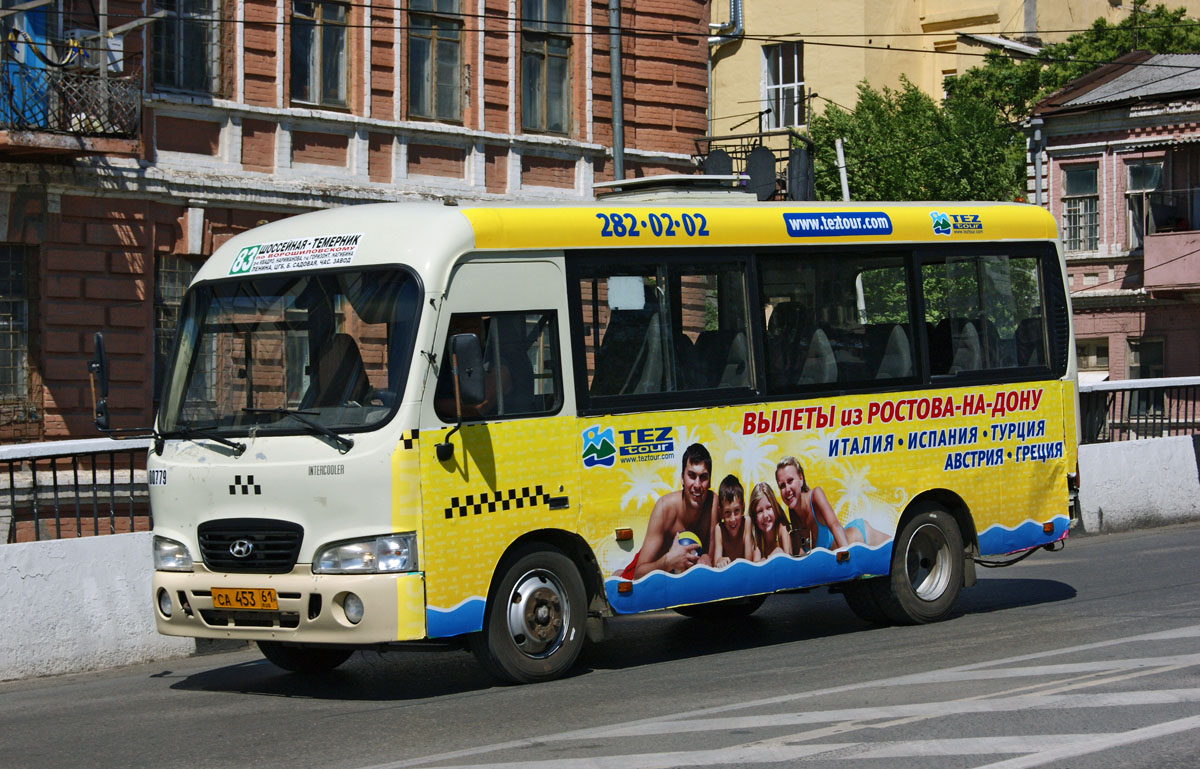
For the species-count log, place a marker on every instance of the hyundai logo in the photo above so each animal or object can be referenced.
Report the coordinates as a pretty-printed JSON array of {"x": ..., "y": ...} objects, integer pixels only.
[{"x": 241, "y": 548}]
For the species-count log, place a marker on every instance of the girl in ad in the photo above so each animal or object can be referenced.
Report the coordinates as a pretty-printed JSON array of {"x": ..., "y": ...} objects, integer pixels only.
[{"x": 770, "y": 535}]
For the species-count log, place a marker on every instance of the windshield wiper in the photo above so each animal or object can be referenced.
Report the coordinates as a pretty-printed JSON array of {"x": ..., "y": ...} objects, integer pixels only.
[
  {"x": 184, "y": 431},
  {"x": 344, "y": 443}
]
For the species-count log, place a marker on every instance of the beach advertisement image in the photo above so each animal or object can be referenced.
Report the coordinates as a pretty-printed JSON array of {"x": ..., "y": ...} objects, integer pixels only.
[{"x": 757, "y": 500}]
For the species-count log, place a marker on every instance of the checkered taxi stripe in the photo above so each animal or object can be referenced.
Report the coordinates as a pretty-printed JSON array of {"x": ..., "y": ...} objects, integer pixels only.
[
  {"x": 409, "y": 439},
  {"x": 490, "y": 502}
]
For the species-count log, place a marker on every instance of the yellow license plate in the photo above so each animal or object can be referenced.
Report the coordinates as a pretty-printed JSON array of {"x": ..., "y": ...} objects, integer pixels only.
[{"x": 244, "y": 598}]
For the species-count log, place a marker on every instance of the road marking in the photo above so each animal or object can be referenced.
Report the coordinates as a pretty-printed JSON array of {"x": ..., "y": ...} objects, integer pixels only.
[
  {"x": 780, "y": 750},
  {"x": 1097, "y": 743}
]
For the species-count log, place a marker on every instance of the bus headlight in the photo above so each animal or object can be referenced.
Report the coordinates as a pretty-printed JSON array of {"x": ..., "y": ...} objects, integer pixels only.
[
  {"x": 380, "y": 555},
  {"x": 170, "y": 555}
]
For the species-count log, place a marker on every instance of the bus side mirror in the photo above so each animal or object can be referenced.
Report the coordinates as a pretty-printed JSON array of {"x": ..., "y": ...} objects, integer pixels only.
[
  {"x": 98, "y": 375},
  {"x": 466, "y": 368}
]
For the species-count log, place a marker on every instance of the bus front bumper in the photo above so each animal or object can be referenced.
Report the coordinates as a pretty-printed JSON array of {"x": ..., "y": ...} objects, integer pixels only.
[{"x": 311, "y": 607}]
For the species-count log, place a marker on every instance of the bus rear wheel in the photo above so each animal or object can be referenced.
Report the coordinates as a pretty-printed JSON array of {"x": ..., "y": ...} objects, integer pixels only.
[
  {"x": 533, "y": 628},
  {"x": 303, "y": 659},
  {"x": 926, "y": 570}
]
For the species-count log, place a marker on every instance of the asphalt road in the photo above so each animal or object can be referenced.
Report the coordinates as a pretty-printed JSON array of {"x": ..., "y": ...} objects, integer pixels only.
[{"x": 1087, "y": 658}]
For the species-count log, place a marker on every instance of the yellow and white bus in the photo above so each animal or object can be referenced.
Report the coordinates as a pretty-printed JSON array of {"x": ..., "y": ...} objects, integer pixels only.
[{"x": 502, "y": 425}]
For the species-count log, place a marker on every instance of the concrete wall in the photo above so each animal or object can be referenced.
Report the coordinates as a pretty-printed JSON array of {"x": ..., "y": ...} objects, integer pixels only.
[
  {"x": 1135, "y": 484},
  {"x": 83, "y": 604},
  {"x": 79, "y": 604}
]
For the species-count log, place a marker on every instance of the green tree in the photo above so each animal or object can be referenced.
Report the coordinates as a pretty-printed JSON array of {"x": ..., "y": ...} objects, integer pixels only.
[
  {"x": 1013, "y": 87},
  {"x": 902, "y": 145}
]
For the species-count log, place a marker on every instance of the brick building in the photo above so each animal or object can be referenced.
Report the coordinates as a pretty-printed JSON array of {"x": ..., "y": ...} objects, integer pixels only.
[
  {"x": 213, "y": 116},
  {"x": 1120, "y": 171}
]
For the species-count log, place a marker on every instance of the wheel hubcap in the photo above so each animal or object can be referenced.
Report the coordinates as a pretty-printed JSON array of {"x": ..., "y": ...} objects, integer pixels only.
[
  {"x": 537, "y": 614},
  {"x": 928, "y": 562}
]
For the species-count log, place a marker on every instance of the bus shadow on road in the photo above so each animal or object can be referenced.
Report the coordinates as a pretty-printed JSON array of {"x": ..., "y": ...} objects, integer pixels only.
[{"x": 630, "y": 642}]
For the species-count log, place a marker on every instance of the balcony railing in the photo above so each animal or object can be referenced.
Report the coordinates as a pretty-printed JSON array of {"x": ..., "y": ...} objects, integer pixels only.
[
  {"x": 1139, "y": 408},
  {"x": 69, "y": 101},
  {"x": 65, "y": 489}
]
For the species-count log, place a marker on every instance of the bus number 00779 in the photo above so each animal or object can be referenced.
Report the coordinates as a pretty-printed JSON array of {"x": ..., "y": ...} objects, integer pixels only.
[{"x": 660, "y": 225}]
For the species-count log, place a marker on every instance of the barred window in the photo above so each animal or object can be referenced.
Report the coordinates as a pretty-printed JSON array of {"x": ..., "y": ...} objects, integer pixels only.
[
  {"x": 187, "y": 46},
  {"x": 15, "y": 402},
  {"x": 435, "y": 59},
  {"x": 1081, "y": 223},
  {"x": 172, "y": 274}
]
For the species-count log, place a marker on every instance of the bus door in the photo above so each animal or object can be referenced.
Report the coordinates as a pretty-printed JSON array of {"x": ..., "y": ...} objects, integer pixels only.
[{"x": 513, "y": 468}]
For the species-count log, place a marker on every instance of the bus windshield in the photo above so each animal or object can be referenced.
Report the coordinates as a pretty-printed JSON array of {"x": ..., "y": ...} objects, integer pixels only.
[{"x": 291, "y": 353}]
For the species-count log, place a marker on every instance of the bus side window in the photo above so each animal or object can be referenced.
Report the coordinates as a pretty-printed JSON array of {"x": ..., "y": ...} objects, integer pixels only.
[
  {"x": 652, "y": 328},
  {"x": 983, "y": 313},
  {"x": 520, "y": 359},
  {"x": 832, "y": 320}
]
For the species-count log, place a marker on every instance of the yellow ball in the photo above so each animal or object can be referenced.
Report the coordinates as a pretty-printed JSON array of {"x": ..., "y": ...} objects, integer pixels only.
[{"x": 688, "y": 538}]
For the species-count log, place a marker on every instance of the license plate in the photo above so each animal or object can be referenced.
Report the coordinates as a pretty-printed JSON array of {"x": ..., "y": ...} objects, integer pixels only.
[{"x": 260, "y": 599}]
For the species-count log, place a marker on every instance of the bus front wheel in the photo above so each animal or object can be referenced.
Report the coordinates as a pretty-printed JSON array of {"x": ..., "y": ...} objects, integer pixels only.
[
  {"x": 926, "y": 570},
  {"x": 303, "y": 659},
  {"x": 533, "y": 628}
]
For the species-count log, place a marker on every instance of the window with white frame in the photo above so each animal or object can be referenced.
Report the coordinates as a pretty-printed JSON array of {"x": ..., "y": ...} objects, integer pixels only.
[
  {"x": 784, "y": 84},
  {"x": 545, "y": 66},
  {"x": 186, "y": 53},
  {"x": 1142, "y": 179},
  {"x": 319, "y": 54},
  {"x": 435, "y": 31},
  {"x": 1081, "y": 199}
]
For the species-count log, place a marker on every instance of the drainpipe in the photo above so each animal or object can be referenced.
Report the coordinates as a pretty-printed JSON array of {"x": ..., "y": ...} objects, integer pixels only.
[
  {"x": 618, "y": 101},
  {"x": 724, "y": 33}
]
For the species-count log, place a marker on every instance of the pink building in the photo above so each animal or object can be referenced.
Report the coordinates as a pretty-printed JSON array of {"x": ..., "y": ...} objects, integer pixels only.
[{"x": 1115, "y": 156}]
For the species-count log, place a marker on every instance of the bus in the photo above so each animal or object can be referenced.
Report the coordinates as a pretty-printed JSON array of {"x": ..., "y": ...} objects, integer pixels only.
[{"x": 504, "y": 425}]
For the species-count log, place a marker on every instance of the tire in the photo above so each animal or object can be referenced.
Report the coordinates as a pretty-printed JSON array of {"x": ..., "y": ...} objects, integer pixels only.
[
  {"x": 734, "y": 608},
  {"x": 533, "y": 628},
  {"x": 303, "y": 659},
  {"x": 926, "y": 571},
  {"x": 860, "y": 597}
]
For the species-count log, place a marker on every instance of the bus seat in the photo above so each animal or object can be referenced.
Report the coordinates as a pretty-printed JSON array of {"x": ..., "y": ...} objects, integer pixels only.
[
  {"x": 820, "y": 366},
  {"x": 897, "y": 356},
  {"x": 688, "y": 373},
  {"x": 648, "y": 363},
  {"x": 517, "y": 396},
  {"x": 615, "y": 361},
  {"x": 736, "y": 371},
  {"x": 788, "y": 335},
  {"x": 340, "y": 375},
  {"x": 968, "y": 355},
  {"x": 1030, "y": 344},
  {"x": 941, "y": 346}
]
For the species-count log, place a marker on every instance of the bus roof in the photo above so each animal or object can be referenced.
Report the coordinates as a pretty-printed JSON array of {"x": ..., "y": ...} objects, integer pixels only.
[{"x": 429, "y": 237}]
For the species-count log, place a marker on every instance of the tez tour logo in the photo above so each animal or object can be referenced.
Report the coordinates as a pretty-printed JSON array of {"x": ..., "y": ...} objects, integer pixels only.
[
  {"x": 244, "y": 260},
  {"x": 598, "y": 448}
]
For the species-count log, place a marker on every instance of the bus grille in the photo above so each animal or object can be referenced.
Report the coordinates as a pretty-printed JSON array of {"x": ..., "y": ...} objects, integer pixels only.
[{"x": 273, "y": 545}]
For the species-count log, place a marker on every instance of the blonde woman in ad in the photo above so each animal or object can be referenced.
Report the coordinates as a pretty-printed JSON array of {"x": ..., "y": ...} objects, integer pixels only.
[{"x": 813, "y": 522}]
